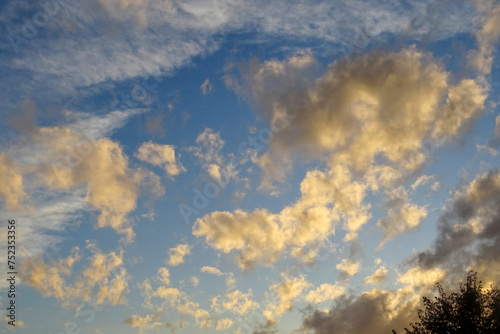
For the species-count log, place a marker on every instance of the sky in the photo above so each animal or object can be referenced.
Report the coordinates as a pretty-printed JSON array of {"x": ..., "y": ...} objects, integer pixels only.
[{"x": 235, "y": 166}]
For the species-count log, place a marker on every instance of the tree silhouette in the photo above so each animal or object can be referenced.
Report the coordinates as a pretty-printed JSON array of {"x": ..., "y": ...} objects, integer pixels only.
[{"x": 472, "y": 310}]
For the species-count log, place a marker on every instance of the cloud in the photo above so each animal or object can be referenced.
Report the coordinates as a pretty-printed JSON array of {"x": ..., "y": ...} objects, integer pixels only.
[
  {"x": 112, "y": 187},
  {"x": 209, "y": 146},
  {"x": 262, "y": 237},
  {"x": 325, "y": 292},
  {"x": 206, "y": 87},
  {"x": 235, "y": 302},
  {"x": 375, "y": 311},
  {"x": 381, "y": 104},
  {"x": 63, "y": 159},
  {"x": 497, "y": 127},
  {"x": 402, "y": 216},
  {"x": 348, "y": 268},
  {"x": 11, "y": 184},
  {"x": 468, "y": 233},
  {"x": 176, "y": 254},
  {"x": 286, "y": 292},
  {"x": 223, "y": 324},
  {"x": 423, "y": 280},
  {"x": 164, "y": 275},
  {"x": 487, "y": 36},
  {"x": 421, "y": 181},
  {"x": 211, "y": 270},
  {"x": 161, "y": 156},
  {"x": 195, "y": 281},
  {"x": 144, "y": 323},
  {"x": 170, "y": 294},
  {"x": 104, "y": 279},
  {"x": 378, "y": 277}
]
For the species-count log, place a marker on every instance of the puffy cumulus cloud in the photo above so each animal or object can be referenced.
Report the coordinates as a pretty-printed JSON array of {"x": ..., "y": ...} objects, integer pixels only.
[
  {"x": 144, "y": 323},
  {"x": 161, "y": 156},
  {"x": 402, "y": 216},
  {"x": 348, "y": 268},
  {"x": 236, "y": 302},
  {"x": 11, "y": 184},
  {"x": 263, "y": 237},
  {"x": 378, "y": 277},
  {"x": 487, "y": 36},
  {"x": 176, "y": 254},
  {"x": 337, "y": 187},
  {"x": 104, "y": 279},
  {"x": 211, "y": 270},
  {"x": 468, "y": 231},
  {"x": 381, "y": 104},
  {"x": 325, "y": 292},
  {"x": 375, "y": 311},
  {"x": 223, "y": 324},
  {"x": 111, "y": 186},
  {"x": 164, "y": 275},
  {"x": 286, "y": 293}
]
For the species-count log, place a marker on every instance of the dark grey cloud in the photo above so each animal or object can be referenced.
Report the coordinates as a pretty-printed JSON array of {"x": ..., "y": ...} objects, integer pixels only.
[{"x": 469, "y": 229}]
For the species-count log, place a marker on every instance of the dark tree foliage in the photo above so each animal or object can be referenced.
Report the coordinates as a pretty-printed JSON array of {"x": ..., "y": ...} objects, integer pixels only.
[{"x": 473, "y": 310}]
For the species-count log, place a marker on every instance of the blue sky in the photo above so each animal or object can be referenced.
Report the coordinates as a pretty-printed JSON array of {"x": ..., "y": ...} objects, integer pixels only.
[{"x": 245, "y": 167}]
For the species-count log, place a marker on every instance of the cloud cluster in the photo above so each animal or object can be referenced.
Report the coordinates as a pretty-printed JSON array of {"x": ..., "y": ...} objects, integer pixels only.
[
  {"x": 468, "y": 232},
  {"x": 402, "y": 216},
  {"x": 286, "y": 292},
  {"x": 381, "y": 104},
  {"x": 263, "y": 237},
  {"x": 487, "y": 36},
  {"x": 111, "y": 186},
  {"x": 103, "y": 280},
  {"x": 375, "y": 311},
  {"x": 236, "y": 302}
]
